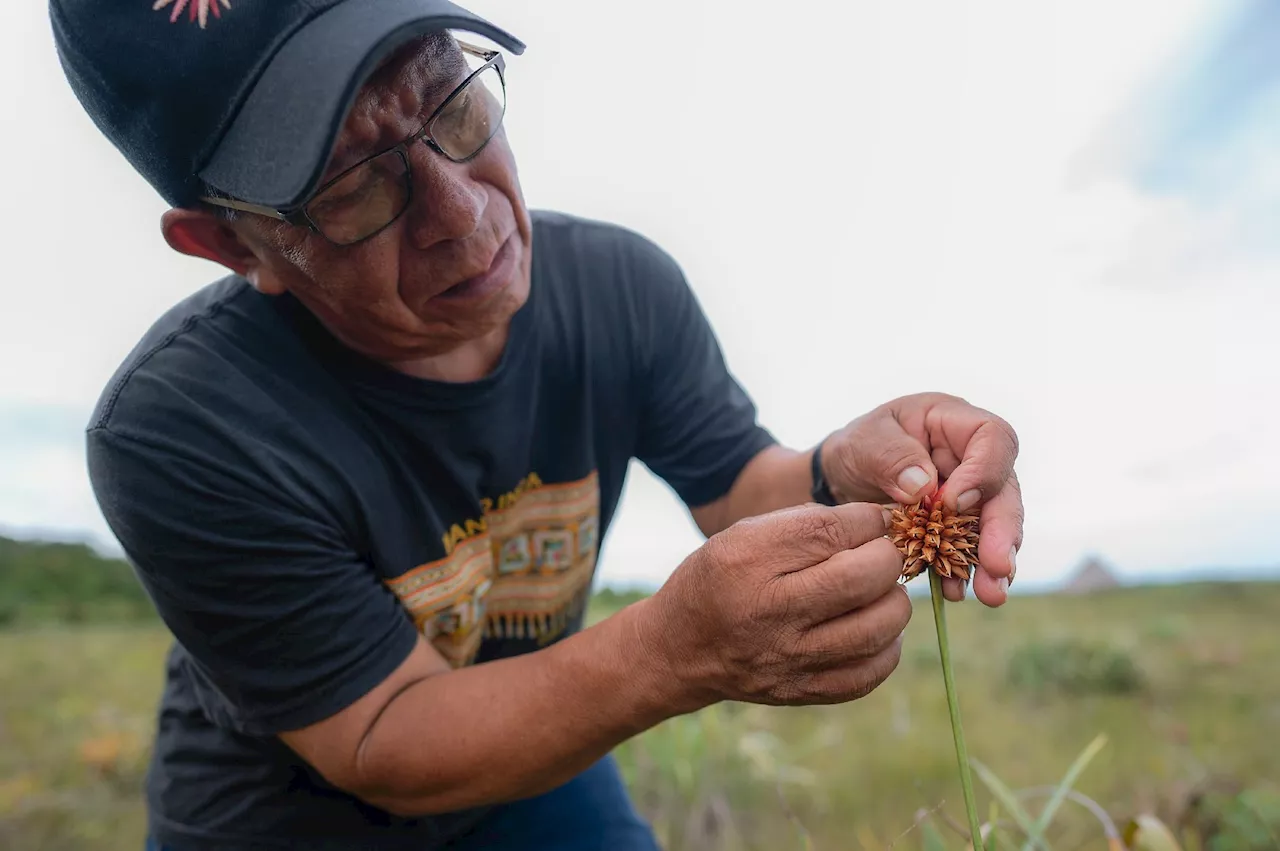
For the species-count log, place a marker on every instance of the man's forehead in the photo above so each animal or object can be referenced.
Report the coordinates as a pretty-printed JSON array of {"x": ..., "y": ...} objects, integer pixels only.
[
  {"x": 401, "y": 90},
  {"x": 432, "y": 55}
]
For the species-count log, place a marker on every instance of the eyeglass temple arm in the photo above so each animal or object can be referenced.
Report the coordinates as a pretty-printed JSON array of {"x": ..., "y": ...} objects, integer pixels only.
[
  {"x": 246, "y": 207},
  {"x": 482, "y": 52}
]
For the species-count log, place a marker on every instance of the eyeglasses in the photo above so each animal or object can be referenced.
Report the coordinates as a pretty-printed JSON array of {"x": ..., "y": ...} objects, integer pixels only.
[{"x": 366, "y": 198}]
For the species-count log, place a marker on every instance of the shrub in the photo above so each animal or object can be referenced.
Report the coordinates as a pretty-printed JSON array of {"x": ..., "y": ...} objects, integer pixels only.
[
  {"x": 1073, "y": 666},
  {"x": 1246, "y": 821}
]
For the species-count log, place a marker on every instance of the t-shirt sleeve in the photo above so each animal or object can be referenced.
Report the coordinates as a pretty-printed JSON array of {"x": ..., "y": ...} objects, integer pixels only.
[
  {"x": 698, "y": 426},
  {"x": 283, "y": 622}
]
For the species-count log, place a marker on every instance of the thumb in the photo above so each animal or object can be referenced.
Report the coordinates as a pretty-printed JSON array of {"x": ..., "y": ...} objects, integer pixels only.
[{"x": 875, "y": 456}]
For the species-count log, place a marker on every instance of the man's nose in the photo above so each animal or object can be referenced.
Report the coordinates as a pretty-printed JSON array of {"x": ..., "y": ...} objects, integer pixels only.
[{"x": 447, "y": 202}]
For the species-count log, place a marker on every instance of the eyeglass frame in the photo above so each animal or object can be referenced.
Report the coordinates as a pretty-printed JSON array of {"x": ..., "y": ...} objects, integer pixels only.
[{"x": 300, "y": 218}]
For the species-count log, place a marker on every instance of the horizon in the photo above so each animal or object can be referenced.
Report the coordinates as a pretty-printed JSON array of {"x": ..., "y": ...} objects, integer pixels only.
[{"x": 1195, "y": 576}]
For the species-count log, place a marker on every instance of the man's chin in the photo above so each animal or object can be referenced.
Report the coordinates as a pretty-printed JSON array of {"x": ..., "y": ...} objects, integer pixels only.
[{"x": 450, "y": 324}]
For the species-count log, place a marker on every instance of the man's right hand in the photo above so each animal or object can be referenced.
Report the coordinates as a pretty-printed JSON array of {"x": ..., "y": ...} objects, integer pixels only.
[{"x": 800, "y": 606}]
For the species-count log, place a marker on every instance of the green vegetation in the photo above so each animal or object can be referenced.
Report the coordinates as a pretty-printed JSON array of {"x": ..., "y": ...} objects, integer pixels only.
[
  {"x": 1191, "y": 739},
  {"x": 1244, "y": 821},
  {"x": 882, "y": 771},
  {"x": 1074, "y": 666},
  {"x": 70, "y": 583}
]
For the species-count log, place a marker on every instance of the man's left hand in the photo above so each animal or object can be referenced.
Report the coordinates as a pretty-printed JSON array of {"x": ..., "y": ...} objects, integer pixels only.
[{"x": 904, "y": 448}]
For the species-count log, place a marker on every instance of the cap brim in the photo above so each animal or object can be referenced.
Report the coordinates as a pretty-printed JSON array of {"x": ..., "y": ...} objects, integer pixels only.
[{"x": 275, "y": 150}]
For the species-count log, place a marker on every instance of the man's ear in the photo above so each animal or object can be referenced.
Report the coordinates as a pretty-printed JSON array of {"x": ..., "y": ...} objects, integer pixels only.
[{"x": 202, "y": 234}]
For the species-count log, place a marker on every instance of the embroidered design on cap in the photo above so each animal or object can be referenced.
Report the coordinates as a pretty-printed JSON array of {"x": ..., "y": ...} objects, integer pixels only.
[{"x": 197, "y": 10}]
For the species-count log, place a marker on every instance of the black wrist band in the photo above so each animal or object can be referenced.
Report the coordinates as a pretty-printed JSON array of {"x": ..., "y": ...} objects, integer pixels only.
[{"x": 820, "y": 492}]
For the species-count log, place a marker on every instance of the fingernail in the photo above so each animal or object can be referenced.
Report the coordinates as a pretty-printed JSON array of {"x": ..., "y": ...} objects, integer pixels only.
[
  {"x": 1003, "y": 584},
  {"x": 888, "y": 517},
  {"x": 964, "y": 590},
  {"x": 912, "y": 479},
  {"x": 968, "y": 500},
  {"x": 1013, "y": 562}
]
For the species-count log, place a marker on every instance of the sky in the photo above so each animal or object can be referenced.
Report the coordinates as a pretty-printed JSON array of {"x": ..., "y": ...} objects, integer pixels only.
[{"x": 1063, "y": 212}]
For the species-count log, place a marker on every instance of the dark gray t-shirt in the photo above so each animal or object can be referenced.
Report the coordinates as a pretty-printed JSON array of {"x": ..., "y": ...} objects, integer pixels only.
[{"x": 299, "y": 514}]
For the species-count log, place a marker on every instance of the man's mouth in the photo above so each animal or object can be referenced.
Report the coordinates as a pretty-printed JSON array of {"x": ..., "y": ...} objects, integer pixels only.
[{"x": 492, "y": 280}]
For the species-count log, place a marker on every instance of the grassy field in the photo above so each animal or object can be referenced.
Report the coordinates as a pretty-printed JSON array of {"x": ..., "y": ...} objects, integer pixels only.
[{"x": 1184, "y": 681}]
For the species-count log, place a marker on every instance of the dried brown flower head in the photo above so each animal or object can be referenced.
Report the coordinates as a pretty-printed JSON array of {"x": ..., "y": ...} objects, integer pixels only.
[{"x": 929, "y": 536}]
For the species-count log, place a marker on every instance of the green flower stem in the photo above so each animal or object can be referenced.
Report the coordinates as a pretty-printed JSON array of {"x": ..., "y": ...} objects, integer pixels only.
[{"x": 953, "y": 706}]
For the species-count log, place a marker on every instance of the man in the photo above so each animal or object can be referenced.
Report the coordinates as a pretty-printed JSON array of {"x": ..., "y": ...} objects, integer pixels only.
[{"x": 365, "y": 477}]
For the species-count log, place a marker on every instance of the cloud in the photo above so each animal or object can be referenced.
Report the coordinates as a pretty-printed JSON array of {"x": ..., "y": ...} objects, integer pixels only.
[
  {"x": 1223, "y": 452},
  {"x": 1212, "y": 116},
  {"x": 942, "y": 203},
  {"x": 1180, "y": 188}
]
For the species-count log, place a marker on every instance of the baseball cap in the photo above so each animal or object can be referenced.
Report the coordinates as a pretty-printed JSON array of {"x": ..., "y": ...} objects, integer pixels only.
[{"x": 246, "y": 96}]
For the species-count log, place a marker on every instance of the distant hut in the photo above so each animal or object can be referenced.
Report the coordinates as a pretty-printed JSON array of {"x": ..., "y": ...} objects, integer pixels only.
[{"x": 1092, "y": 575}]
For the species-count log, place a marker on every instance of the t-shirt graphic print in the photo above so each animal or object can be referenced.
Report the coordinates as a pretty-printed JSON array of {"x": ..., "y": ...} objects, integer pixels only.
[{"x": 523, "y": 570}]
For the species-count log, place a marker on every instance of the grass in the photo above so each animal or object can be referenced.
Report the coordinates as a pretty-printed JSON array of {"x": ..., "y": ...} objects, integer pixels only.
[{"x": 1198, "y": 713}]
